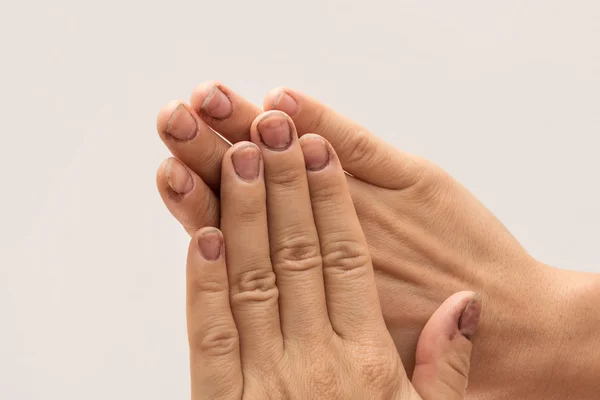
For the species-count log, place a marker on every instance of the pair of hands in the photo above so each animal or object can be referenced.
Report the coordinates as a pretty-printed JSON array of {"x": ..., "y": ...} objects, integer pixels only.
[
  {"x": 428, "y": 237},
  {"x": 282, "y": 301}
]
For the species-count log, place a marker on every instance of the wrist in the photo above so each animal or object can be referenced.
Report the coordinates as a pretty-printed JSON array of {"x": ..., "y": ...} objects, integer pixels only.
[
  {"x": 540, "y": 339},
  {"x": 576, "y": 372}
]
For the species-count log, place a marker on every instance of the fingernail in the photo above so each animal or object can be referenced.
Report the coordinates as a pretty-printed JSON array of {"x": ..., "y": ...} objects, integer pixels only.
[
  {"x": 284, "y": 102},
  {"x": 469, "y": 319},
  {"x": 210, "y": 243},
  {"x": 181, "y": 125},
  {"x": 178, "y": 177},
  {"x": 246, "y": 162},
  {"x": 316, "y": 154},
  {"x": 217, "y": 104},
  {"x": 275, "y": 131}
]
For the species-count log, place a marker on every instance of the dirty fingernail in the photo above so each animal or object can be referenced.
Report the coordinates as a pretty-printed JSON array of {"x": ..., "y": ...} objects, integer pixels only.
[
  {"x": 246, "y": 162},
  {"x": 181, "y": 124},
  {"x": 286, "y": 103},
  {"x": 210, "y": 243},
  {"x": 316, "y": 154},
  {"x": 274, "y": 131},
  {"x": 217, "y": 104},
  {"x": 178, "y": 177},
  {"x": 469, "y": 319}
]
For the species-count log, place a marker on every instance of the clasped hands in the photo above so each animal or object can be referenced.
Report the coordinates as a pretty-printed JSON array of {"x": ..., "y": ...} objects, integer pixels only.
[{"x": 305, "y": 282}]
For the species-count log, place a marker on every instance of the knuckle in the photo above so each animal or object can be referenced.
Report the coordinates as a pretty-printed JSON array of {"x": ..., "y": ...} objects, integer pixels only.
[
  {"x": 325, "y": 377},
  {"x": 435, "y": 193},
  {"x": 376, "y": 372},
  {"x": 358, "y": 146},
  {"x": 326, "y": 192},
  {"x": 218, "y": 340},
  {"x": 249, "y": 214},
  {"x": 254, "y": 285},
  {"x": 201, "y": 284},
  {"x": 296, "y": 253},
  {"x": 379, "y": 368},
  {"x": 275, "y": 389},
  {"x": 249, "y": 209},
  {"x": 287, "y": 175},
  {"x": 345, "y": 256}
]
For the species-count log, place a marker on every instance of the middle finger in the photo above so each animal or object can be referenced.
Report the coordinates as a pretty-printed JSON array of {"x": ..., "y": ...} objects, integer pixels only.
[{"x": 294, "y": 243}]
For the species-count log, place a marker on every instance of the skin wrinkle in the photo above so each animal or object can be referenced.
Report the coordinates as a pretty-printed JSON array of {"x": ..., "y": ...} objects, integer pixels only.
[
  {"x": 362, "y": 353},
  {"x": 176, "y": 113},
  {"x": 406, "y": 238},
  {"x": 209, "y": 119},
  {"x": 449, "y": 241}
]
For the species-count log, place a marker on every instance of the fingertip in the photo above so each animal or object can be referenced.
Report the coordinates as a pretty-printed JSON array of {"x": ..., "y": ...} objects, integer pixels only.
[
  {"x": 209, "y": 243},
  {"x": 282, "y": 99},
  {"x": 468, "y": 321},
  {"x": 212, "y": 333},
  {"x": 165, "y": 113},
  {"x": 201, "y": 91},
  {"x": 212, "y": 99},
  {"x": 186, "y": 195},
  {"x": 269, "y": 129},
  {"x": 271, "y": 96},
  {"x": 246, "y": 160},
  {"x": 161, "y": 174},
  {"x": 447, "y": 317},
  {"x": 178, "y": 177},
  {"x": 174, "y": 178},
  {"x": 162, "y": 183},
  {"x": 206, "y": 252},
  {"x": 443, "y": 356},
  {"x": 442, "y": 329},
  {"x": 317, "y": 152}
]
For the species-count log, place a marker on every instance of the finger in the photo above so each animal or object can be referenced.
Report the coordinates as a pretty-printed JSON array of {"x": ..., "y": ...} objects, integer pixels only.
[
  {"x": 444, "y": 349},
  {"x": 225, "y": 111},
  {"x": 192, "y": 141},
  {"x": 293, "y": 237},
  {"x": 254, "y": 293},
  {"x": 352, "y": 298},
  {"x": 361, "y": 153},
  {"x": 215, "y": 367},
  {"x": 186, "y": 196}
]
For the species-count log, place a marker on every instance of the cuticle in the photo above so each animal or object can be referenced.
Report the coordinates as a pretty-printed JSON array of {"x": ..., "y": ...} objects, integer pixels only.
[
  {"x": 219, "y": 88},
  {"x": 290, "y": 125},
  {"x": 325, "y": 164},
  {"x": 169, "y": 123},
  {"x": 173, "y": 194},
  {"x": 260, "y": 160}
]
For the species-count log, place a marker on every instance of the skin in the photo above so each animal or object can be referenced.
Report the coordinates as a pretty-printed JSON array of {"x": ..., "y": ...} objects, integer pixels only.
[
  {"x": 283, "y": 304},
  {"x": 428, "y": 238}
]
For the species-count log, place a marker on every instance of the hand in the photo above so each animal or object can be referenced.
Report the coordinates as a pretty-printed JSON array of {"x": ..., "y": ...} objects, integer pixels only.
[
  {"x": 428, "y": 237},
  {"x": 283, "y": 304}
]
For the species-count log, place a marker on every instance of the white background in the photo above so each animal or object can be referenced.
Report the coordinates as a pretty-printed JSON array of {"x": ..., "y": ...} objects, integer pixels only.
[{"x": 505, "y": 95}]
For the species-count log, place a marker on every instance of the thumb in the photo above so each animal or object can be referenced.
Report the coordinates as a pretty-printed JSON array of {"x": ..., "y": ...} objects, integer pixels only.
[{"x": 443, "y": 356}]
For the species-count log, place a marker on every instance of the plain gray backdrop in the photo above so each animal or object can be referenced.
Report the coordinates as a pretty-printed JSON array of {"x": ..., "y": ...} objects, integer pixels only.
[{"x": 505, "y": 95}]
